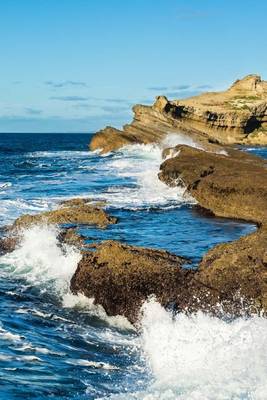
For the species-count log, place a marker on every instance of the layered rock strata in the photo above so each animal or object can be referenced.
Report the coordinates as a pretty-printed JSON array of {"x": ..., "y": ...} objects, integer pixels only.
[{"x": 237, "y": 115}]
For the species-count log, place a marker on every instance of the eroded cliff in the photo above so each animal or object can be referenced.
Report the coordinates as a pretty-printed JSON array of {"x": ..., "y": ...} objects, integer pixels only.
[{"x": 237, "y": 115}]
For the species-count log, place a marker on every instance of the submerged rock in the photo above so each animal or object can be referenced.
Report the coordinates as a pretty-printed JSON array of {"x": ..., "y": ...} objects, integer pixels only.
[
  {"x": 237, "y": 115},
  {"x": 121, "y": 277}
]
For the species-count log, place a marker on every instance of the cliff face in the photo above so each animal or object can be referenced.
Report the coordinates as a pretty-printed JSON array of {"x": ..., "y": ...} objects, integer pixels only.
[{"x": 238, "y": 115}]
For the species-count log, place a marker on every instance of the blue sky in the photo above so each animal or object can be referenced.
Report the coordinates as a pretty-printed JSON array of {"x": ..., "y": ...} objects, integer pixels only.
[{"x": 78, "y": 65}]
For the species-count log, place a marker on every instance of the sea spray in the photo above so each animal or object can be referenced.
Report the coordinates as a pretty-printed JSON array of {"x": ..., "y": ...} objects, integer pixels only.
[
  {"x": 40, "y": 260},
  {"x": 44, "y": 262},
  {"x": 139, "y": 164},
  {"x": 203, "y": 357}
]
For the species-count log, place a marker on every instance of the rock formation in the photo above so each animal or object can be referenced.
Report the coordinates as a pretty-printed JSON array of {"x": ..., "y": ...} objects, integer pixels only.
[
  {"x": 231, "y": 278},
  {"x": 238, "y": 115},
  {"x": 230, "y": 186},
  {"x": 74, "y": 211},
  {"x": 121, "y": 277}
]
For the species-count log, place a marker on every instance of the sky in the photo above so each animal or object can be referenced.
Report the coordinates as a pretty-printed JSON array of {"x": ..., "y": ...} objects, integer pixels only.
[{"x": 79, "y": 65}]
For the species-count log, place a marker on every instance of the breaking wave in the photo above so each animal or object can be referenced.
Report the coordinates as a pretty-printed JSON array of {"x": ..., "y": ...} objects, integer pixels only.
[{"x": 203, "y": 357}]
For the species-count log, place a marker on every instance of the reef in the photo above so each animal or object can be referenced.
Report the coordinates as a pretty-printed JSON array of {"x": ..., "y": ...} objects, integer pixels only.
[{"x": 237, "y": 115}]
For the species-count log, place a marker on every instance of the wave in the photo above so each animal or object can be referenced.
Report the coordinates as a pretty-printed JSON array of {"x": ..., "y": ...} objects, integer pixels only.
[
  {"x": 137, "y": 167},
  {"x": 41, "y": 261},
  {"x": 62, "y": 154},
  {"x": 203, "y": 357}
]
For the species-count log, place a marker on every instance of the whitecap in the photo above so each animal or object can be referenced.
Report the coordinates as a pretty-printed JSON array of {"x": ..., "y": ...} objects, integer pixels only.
[
  {"x": 92, "y": 364},
  {"x": 203, "y": 357},
  {"x": 40, "y": 260}
]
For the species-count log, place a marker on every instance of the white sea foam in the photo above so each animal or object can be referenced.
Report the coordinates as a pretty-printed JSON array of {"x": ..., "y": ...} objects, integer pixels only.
[
  {"x": 40, "y": 260},
  {"x": 87, "y": 304},
  {"x": 139, "y": 164},
  {"x": 92, "y": 364},
  {"x": 37, "y": 349},
  {"x": 4, "y": 357},
  {"x": 6, "y": 335},
  {"x": 13, "y": 208},
  {"x": 60, "y": 154},
  {"x": 203, "y": 357},
  {"x": 5, "y": 185},
  {"x": 173, "y": 139}
]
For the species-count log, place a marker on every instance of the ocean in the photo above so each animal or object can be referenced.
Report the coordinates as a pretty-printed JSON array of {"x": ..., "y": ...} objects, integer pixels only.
[{"x": 60, "y": 346}]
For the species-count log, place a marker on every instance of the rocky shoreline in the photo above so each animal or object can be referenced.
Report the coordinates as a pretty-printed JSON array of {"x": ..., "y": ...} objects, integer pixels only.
[{"x": 231, "y": 278}]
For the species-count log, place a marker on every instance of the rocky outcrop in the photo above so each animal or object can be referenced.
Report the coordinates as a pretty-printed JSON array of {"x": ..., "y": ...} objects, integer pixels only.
[
  {"x": 121, "y": 277},
  {"x": 231, "y": 278},
  {"x": 235, "y": 274},
  {"x": 74, "y": 211},
  {"x": 233, "y": 185},
  {"x": 238, "y": 115}
]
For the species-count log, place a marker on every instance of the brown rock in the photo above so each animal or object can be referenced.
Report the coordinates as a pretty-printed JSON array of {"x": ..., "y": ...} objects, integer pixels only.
[
  {"x": 237, "y": 273},
  {"x": 75, "y": 211},
  {"x": 230, "y": 186},
  {"x": 234, "y": 274},
  {"x": 120, "y": 277},
  {"x": 8, "y": 244}
]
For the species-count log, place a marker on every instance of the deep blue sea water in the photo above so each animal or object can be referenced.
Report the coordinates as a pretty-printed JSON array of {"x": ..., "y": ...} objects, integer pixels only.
[{"x": 60, "y": 346}]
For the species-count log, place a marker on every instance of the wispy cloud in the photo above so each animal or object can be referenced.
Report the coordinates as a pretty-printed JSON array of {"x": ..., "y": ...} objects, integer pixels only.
[
  {"x": 33, "y": 111},
  {"x": 204, "y": 87},
  {"x": 183, "y": 93},
  {"x": 180, "y": 91},
  {"x": 115, "y": 100},
  {"x": 60, "y": 124},
  {"x": 115, "y": 109},
  {"x": 69, "y": 98},
  {"x": 157, "y": 88},
  {"x": 181, "y": 87},
  {"x": 59, "y": 85},
  {"x": 83, "y": 106}
]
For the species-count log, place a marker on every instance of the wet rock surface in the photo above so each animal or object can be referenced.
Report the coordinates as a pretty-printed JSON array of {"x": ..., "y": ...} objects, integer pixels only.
[
  {"x": 121, "y": 277},
  {"x": 235, "y": 274},
  {"x": 74, "y": 211}
]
